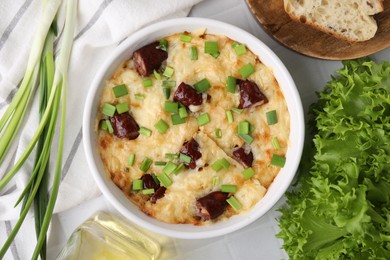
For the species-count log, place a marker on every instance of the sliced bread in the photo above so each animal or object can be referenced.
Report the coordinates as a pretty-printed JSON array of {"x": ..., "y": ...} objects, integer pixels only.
[{"x": 350, "y": 20}]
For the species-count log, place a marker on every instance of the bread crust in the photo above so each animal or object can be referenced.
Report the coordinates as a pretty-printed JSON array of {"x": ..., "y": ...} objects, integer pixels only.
[
  {"x": 377, "y": 4},
  {"x": 382, "y": 7}
]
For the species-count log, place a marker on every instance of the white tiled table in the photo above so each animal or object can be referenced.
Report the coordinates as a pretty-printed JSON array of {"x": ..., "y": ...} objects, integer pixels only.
[{"x": 257, "y": 241}]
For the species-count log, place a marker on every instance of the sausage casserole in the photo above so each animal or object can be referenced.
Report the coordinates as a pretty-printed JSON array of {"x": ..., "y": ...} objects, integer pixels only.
[{"x": 193, "y": 128}]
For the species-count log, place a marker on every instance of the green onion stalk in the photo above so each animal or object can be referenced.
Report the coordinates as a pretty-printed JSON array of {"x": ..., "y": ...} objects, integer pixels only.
[
  {"x": 11, "y": 120},
  {"x": 52, "y": 83},
  {"x": 46, "y": 74}
]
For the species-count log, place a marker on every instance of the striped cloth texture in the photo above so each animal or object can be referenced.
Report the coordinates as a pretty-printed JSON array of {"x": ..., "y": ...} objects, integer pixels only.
[{"x": 101, "y": 26}]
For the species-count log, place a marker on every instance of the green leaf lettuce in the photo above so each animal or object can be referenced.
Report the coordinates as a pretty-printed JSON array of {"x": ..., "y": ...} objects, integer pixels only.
[{"x": 340, "y": 208}]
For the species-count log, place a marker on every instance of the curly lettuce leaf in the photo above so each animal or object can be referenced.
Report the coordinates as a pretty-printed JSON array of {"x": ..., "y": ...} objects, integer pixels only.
[{"x": 341, "y": 206}]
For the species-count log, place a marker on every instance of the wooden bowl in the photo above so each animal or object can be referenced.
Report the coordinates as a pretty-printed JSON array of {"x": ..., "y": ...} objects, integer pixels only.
[{"x": 306, "y": 40}]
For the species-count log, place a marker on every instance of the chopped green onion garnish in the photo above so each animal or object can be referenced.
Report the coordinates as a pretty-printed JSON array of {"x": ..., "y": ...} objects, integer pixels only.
[
  {"x": 103, "y": 125},
  {"x": 145, "y": 164},
  {"x": 203, "y": 119},
  {"x": 108, "y": 109},
  {"x": 185, "y": 158},
  {"x": 248, "y": 173},
  {"x": 229, "y": 188},
  {"x": 168, "y": 72},
  {"x": 235, "y": 44},
  {"x": 236, "y": 205},
  {"x": 215, "y": 55},
  {"x": 171, "y": 156},
  {"x": 185, "y": 37},
  {"x": 183, "y": 112},
  {"x": 138, "y": 184},
  {"x": 169, "y": 168},
  {"x": 251, "y": 128},
  {"x": 167, "y": 92},
  {"x": 145, "y": 131},
  {"x": 168, "y": 83},
  {"x": 160, "y": 163},
  {"x": 215, "y": 180},
  {"x": 194, "y": 53},
  {"x": 155, "y": 179},
  {"x": 171, "y": 107},
  {"x": 240, "y": 49},
  {"x": 247, "y": 138},
  {"x": 120, "y": 90},
  {"x": 139, "y": 96},
  {"x": 161, "y": 126},
  {"x": 229, "y": 116},
  {"x": 148, "y": 191},
  {"x": 243, "y": 127},
  {"x": 179, "y": 168},
  {"x": 217, "y": 165},
  {"x": 247, "y": 70},
  {"x": 131, "y": 159},
  {"x": 177, "y": 120},
  {"x": 202, "y": 86},
  {"x": 271, "y": 117},
  {"x": 109, "y": 126},
  {"x": 218, "y": 133},
  {"x": 122, "y": 107},
  {"x": 231, "y": 83},
  {"x": 275, "y": 143},
  {"x": 147, "y": 83},
  {"x": 211, "y": 48},
  {"x": 157, "y": 75},
  {"x": 164, "y": 179},
  {"x": 278, "y": 160},
  {"x": 164, "y": 44},
  {"x": 237, "y": 110},
  {"x": 225, "y": 163}
]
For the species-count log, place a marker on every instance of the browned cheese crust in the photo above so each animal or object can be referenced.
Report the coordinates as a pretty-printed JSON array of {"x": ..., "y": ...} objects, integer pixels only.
[{"x": 178, "y": 205}]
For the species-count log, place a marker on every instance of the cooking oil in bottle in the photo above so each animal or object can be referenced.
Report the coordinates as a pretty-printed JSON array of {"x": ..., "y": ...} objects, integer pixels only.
[{"x": 105, "y": 236}]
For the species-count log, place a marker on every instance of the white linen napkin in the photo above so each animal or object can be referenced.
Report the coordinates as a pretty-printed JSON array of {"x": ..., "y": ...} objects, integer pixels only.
[{"x": 101, "y": 26}]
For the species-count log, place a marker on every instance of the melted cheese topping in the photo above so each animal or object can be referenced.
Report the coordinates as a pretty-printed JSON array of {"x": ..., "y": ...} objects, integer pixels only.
[{"x": 178, "y": 203}]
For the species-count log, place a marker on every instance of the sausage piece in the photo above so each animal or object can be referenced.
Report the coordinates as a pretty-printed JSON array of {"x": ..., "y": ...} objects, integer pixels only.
[
  {"x": 187, "y": 95},
  {"x": 191, "y": 149},
  {"x": 250, "y": 94},
  {"x": 212, "y": 205},
  {"x": 244, "y": 156},
  {"x": 149, "y": 182},
  {"x": 124, "y": 126},
  {"x": 149, "y": 58}
]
